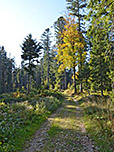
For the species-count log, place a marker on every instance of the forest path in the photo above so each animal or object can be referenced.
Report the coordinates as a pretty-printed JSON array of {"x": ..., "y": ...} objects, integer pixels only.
[{"x": 64, "y": 131}]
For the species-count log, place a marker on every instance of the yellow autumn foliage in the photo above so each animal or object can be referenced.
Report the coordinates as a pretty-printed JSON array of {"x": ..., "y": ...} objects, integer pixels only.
[{"x": 71, "y": 45}]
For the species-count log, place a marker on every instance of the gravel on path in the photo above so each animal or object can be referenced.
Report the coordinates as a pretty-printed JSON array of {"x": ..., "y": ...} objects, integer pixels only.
[{"x": 64, "y": 131}]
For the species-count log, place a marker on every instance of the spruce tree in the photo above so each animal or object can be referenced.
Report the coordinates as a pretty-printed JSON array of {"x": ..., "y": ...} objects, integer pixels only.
[
  {"x": 47, "y": 54},
  {"x": 99, "y": 66},
  {"x": 30, "y": 54},
  {"x": 7, "y": 66},
  {"x": 101, "y": 17},
  {"x": 59, "y": 27}
]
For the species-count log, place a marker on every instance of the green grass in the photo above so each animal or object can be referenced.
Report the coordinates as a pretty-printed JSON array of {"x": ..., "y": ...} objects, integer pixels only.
[
  {"x": 54, "y": 130},
  {"x": 19, "y": 120},
  {"x": 99, "y": 117},
  {"x": 22, "y": 134}
]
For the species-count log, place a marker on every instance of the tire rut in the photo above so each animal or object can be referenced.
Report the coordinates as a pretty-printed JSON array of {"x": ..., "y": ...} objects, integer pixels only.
[{"x": 70, "y": 136}]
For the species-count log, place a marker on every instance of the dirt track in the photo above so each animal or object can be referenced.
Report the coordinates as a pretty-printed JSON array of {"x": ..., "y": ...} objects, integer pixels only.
[{"x": 64, "y": 131}]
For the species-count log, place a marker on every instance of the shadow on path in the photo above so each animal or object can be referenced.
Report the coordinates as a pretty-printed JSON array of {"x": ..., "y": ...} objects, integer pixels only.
[{"x": 64, "y": 131}]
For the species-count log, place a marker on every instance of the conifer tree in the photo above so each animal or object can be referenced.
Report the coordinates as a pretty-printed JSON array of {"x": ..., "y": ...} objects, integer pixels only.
[
  {"x": 7, "y": 66},
  {"x": 47, "y": 55},
  {"x": 77, "y": 9},
  {"x": 99, "y": 66},
  {"x": 101, "y": 18},
  {"x": 59, "y": 26},
  {"x": 30, "y": 54}
]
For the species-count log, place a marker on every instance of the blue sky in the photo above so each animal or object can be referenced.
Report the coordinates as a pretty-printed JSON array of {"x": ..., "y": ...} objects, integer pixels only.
[{"x": 18, "y": 18}]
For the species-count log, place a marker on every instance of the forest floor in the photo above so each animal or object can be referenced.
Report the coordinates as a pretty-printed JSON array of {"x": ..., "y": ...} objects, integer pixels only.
[{"x": 64, "y": 131}]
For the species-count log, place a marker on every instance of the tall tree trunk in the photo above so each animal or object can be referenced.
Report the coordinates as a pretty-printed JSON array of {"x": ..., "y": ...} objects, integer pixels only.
[
  {"x": 79, "y": 26},
  {"x": 21, "y": 79},
  {"x": 101, "y": 88},
  {"x": 111, "y": 62},
  {"x": 42, "y": 75},
  {"x": 48, "y": 77},
  {"x": 3, "y": 81},
  {"x": 75, "y": 90},
  {"x": 101, "y": 76},
  {"x": 63, "y": 83},
  {"x": 65, "y": 79},
  {"x": 102, "y": 92},
  {"x": 81, "y": 87},
  {"x": 87, "y": 87},
  {"x": 48, "y": 68},
  {"x": 28, "y": 89}
]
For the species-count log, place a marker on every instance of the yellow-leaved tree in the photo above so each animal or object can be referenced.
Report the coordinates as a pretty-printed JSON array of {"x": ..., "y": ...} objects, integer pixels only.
[{"x": 69, "y": 49}]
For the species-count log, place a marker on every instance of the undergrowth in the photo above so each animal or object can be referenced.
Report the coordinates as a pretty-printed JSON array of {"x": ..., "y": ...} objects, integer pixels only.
[
  {"x": 99, "y": 120},
  {"x": 21, "y": 115}
]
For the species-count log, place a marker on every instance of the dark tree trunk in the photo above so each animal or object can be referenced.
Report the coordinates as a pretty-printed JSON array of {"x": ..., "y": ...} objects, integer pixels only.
[
  {"x": 79, "y": 26},
  {"x": 101, "y": 88},
  {"x": 28, "y": 88},
  {"x": 101, "y": 77},
  {"x": 87, "y": 87},
  {"x": 75, "y": 90},
  {"x": 65, "y": 79},
  {"x": 102, "y": 92},
  {"x": 3, "y": 81},
  {"x": 48, "y": 77},
  {"x": 48, "y": 69}
]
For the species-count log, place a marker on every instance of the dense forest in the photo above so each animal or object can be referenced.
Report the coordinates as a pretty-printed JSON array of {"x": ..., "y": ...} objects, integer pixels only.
[
  {"x": 78, "y": 56},
  {"x": 82, "y": 54}
]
